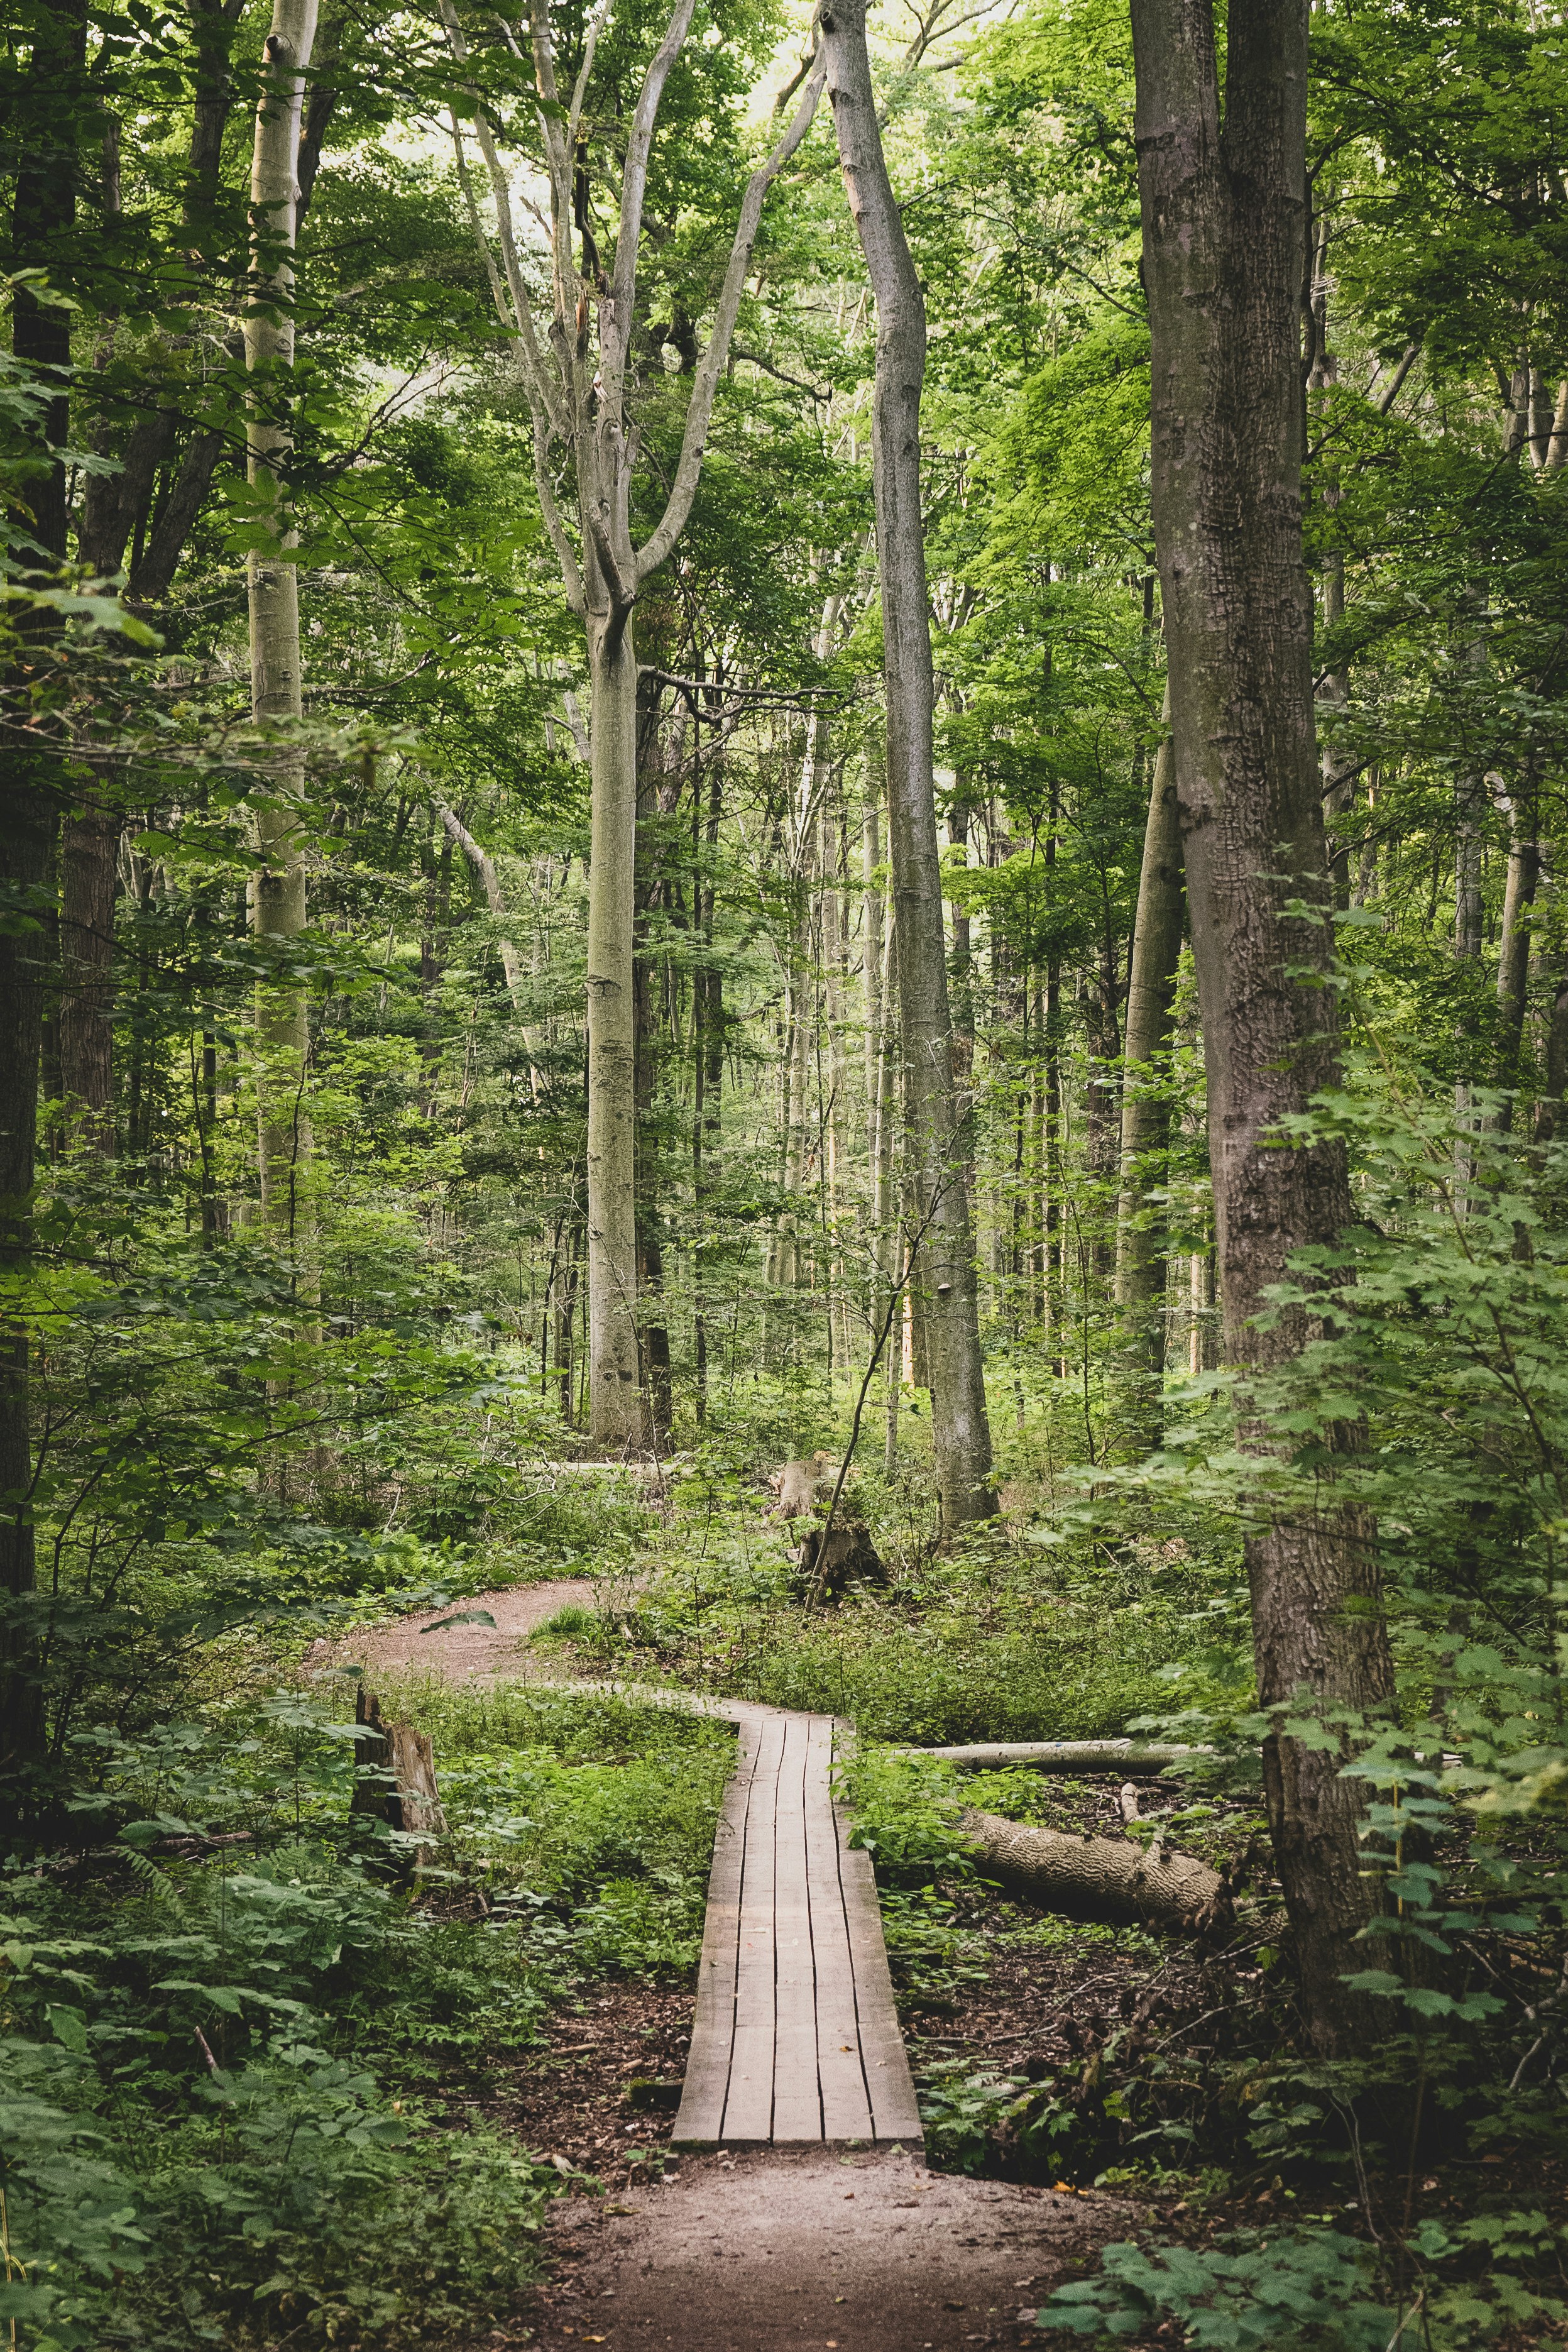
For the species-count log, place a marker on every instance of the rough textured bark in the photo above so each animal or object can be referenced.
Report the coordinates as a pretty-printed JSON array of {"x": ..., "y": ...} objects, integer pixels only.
[
  {"x": 1063, "y": 1755},
  {"x": 940, "y": 1137},
  {"x": 1224, "y": 218},
  {"x": 278, "y": 889},
  {"x": 1141, "y": 1259},
  {"x": 46, "y": 127},
  {"x": 1109, "y": 1879}
]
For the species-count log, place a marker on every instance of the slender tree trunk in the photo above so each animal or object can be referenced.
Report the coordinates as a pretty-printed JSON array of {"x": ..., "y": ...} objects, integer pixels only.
[
  {"x": 1223, "y": 216},
  {"x": 89, "y": 851},
  {"x": 1513, "y": 950},
  {"x": 278, "y": 889},
  {"x": 617, "y": 1415},
  {"x": 1145, "y": 1108},
  {"x": 942, "y": 1142}
]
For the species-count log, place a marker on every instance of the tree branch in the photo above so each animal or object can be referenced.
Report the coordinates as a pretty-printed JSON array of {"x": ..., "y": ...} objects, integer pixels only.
[{"x": 700, "y": 409}]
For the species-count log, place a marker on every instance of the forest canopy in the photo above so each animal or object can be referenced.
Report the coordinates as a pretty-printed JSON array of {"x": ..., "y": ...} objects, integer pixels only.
[{"x": 732, "y": 735}]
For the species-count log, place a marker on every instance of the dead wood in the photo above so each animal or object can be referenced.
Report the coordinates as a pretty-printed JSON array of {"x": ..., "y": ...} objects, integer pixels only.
[
  {"x": 1111, "y": 1880},
  {"x": 404, "y": 1795},
  {"x": 1065, "y": 1755}
]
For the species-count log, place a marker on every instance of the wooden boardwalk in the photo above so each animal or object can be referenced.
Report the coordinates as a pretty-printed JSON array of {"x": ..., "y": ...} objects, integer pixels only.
[{"x": 795, "y": 2037}]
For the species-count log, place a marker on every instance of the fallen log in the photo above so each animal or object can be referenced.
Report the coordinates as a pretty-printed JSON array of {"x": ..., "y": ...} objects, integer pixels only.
[
  {"x": 1112, "y": 1881},
  {"x": 1064, "y": 1754}
]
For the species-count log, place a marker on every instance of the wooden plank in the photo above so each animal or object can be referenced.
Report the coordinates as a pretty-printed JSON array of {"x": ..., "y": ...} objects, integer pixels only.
[
  {"x": 797, "y": 2099},
  {"x": 894, "y": 2113},
  {"x": 749, "y": 2106},
  {"x": 701, "y": 2115},
  {"x": 846, "y": 2106}
]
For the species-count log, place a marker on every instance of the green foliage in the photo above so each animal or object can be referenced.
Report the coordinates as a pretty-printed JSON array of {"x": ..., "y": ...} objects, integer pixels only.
[
  {"x": 232, "y": 2036},
  {"x": 1307, "y": 2291}
]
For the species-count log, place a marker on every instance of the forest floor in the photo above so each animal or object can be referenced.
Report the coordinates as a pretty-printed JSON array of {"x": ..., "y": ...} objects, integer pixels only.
[{"x": 741, "y": 2250}]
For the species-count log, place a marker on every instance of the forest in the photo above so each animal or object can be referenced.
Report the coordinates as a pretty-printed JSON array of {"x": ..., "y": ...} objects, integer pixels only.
[{"x": 783, "y": 924}]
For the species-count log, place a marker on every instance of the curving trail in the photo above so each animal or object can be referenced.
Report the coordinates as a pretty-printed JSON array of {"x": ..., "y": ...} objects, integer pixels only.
[{"x": 771, "y": 2237}]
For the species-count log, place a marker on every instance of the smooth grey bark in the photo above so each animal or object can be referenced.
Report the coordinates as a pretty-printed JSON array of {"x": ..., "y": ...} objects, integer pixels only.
[
  {"x": 940, "y": 1135},
  {"x": 579, "y": 399},
  {"x": 277, "y": 908},
  {"x": 1224, "y": 221},
  {"x": 1141, "y": 1256},
  {"x": 1513, "y": 947}
]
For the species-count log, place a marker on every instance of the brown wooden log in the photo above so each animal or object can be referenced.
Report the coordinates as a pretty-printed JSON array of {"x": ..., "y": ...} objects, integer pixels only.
[
  {"x": 412, "y": 1803},
  {"x": 1110, "y": 1880},
  {"x": 1086, "y": 1755}
]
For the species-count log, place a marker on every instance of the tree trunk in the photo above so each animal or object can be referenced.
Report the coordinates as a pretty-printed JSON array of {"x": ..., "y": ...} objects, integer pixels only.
[
  {"x": 1513, "y": 950},
  {"x": 89, "y": 851},
  {"x": 942, "y": 1142},
  {"x": 1224, "y": 217},
  {"x": 278, "y": 889},
  {"x": 616, "y": 1411},
  {"x": 1145, "y": 1110},
  {"x": 1114, "y": 1880},
  {"x": 50, "y": 110}
]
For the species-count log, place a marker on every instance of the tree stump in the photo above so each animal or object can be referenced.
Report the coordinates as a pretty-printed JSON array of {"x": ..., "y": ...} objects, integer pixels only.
[{"x": 406, "y": 1799}]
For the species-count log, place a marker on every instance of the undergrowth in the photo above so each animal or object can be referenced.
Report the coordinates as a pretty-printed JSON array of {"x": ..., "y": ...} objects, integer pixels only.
[{"x": 229, "y": 2018}]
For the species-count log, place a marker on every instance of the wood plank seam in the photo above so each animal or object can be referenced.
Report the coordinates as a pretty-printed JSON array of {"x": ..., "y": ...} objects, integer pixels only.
[{"x": 796, "y": 2036}]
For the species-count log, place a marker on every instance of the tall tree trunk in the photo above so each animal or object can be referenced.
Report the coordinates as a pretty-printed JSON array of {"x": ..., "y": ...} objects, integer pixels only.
[
  {"x": 89, "y": 851},
  {"x": 1514, "y": 948},
  {"x": 960, "y": 1432},
  {"x": 47, "y": 123},
  {"x": 616, "y": 1412},
  {"x": 1145, "y": 1110},
  {"x": 577, "y": 398},
  {"x": 1224, "y": 217},
  {"x": 278, "y": 889}
]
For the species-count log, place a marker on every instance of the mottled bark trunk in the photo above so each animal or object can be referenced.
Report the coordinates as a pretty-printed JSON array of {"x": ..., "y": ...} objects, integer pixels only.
[
  {"x": 617, "y": 1415},
  {"x": 1141, "y": 1251},
  {"x": 942, "y": 1142},
  {"x": 278, "y": 888},
  {"x": 1513, "y": 950},
  {"x": 1224, "y": 217}
]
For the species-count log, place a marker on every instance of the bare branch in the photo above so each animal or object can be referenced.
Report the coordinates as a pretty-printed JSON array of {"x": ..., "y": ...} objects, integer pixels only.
[
  {"x": 540, "y": 387},
  {"x": 596, "y": 24},
  {"x": 498, "y": 294},
  {"x": 615, "y": 345},
  {"x": 700, "y": 410}
]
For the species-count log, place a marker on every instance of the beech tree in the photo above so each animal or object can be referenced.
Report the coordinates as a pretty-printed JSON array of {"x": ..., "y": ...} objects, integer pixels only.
[
  {"x": 580, "y": 380},
  {"x": 941, "y": 1137},
  {"x": 277, "y": 903}
]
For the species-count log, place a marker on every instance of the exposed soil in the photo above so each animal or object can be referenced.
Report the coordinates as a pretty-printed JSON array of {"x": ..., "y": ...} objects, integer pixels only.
[
  {"x": 465, "y": 1653},
  {"x": 773, "y": 2249}
]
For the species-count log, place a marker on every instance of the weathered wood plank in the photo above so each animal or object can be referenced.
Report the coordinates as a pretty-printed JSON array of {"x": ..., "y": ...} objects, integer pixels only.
[
  {"x": 796, "y": 2096},
  {"x": 701, "y": 2117},
  {"x": 846, "y": 2106},
  {"x": 748, "y": 2107},
  {"x": 894, "y": 2113}
]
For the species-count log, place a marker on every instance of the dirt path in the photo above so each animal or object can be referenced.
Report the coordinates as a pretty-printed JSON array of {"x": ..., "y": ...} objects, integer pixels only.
[
  {"x": 461, "y": 1654},
  {"x": 777, "y": 2249},
  {"x": 773, "y": 2249}
]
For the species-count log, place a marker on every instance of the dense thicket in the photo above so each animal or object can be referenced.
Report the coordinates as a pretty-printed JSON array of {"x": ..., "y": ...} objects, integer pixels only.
[{"x": 507, "y": 1011}]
